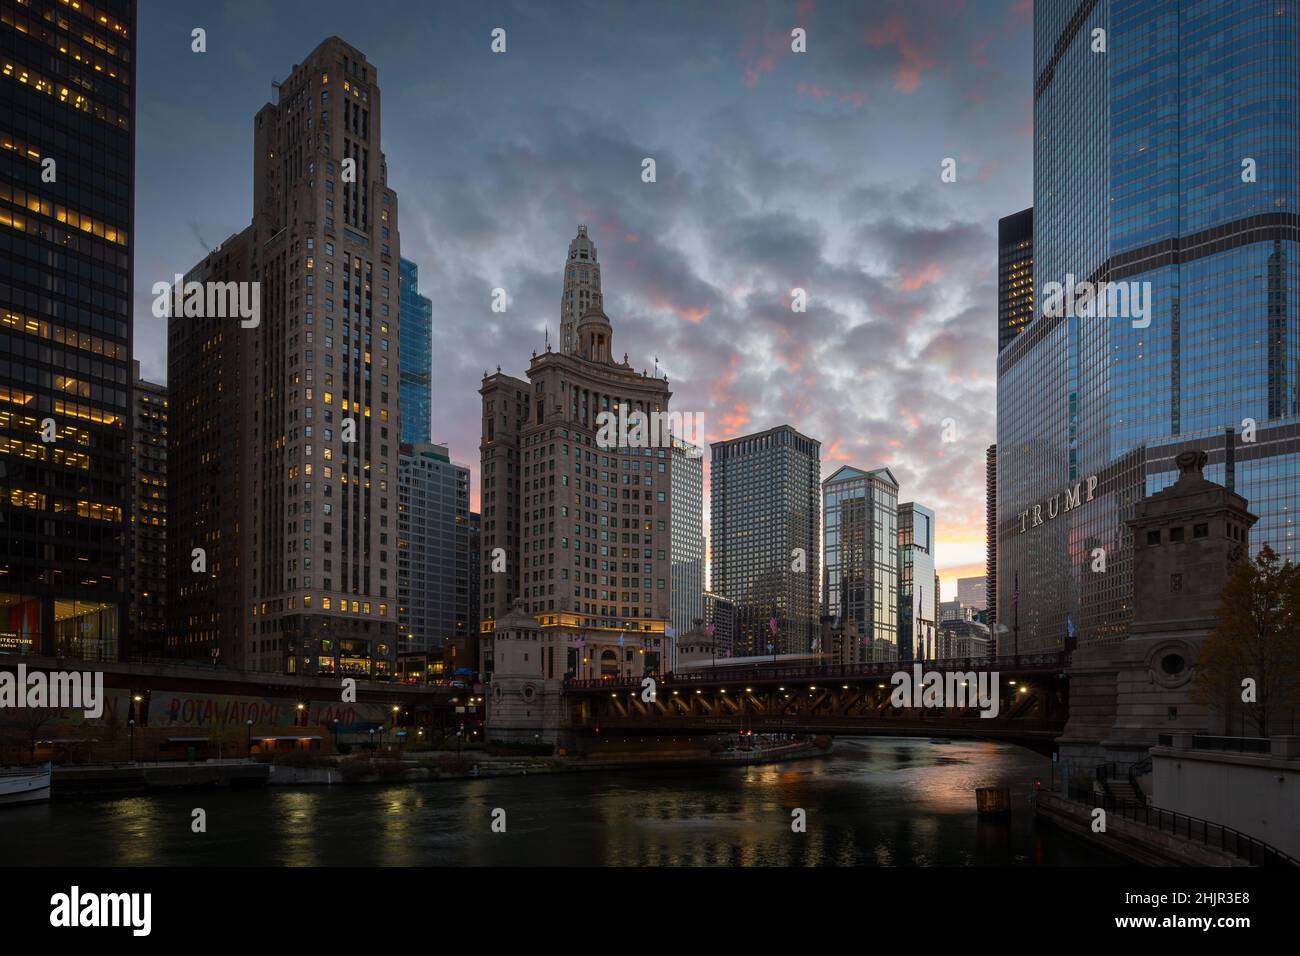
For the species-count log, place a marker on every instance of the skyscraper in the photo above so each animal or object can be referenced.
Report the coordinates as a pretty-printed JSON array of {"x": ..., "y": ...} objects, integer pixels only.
[
  {"x": 688, "y": 535},
  {"x": 765, "y": 526},
  {"x": 148, "y": 590},
  {"x": 1015, "y": 274},
  {"x": 720, "y": 614},
  {"x": 205, "y": 454},
  {"x": 1166, "y": 165},
  {"x": 307, "y": 550},
  {"x": 576, "y": 514},
  {"x": 991, "y": 532},
  {"x": 416, "y": 373},
  {"x": 67, "y": 182},
  {"x": 861, "y": 582},
  {"x": 581, "y": 288},
  {"x": 434, "y": 561},
  {"x": 971, "y": 592},
  {"x": 918, "y": 601}
]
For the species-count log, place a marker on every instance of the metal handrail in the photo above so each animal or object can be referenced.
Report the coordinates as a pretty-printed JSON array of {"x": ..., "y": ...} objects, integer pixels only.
[
  {"x": 1230, "y": 840},
  {"x": 1139, "y": 769}
]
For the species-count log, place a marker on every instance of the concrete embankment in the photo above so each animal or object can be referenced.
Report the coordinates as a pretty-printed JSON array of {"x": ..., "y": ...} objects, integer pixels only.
[
  {"x": 82, "y": 782},
  {"x": 1136, "y": 842},
  {"x": 124, "y": 779}
]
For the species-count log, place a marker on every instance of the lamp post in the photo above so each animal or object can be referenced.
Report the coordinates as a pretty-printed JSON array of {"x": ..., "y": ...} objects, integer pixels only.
[
  {"x": 131, "y": 723},
  {"x": 249, "y": 724},
  {"x": 336, "y": 734},
  {"x": 372, "y": 740}
]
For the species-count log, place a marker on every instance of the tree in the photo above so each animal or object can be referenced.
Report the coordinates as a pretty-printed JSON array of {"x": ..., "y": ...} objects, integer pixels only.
[
  {"x": 29, "y": 721},
  {"x": 1256, "y": 638}
]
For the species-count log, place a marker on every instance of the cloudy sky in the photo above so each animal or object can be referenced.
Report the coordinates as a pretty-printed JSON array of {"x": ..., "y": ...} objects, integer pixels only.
[{"x": 818, "y": 170}]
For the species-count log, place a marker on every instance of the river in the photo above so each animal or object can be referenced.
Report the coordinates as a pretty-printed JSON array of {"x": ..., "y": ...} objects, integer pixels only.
[{"x": 876, "y": 802}]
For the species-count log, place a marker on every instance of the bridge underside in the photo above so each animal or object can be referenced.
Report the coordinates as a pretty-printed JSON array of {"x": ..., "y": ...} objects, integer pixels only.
[{"x": 1032, "y": 708}]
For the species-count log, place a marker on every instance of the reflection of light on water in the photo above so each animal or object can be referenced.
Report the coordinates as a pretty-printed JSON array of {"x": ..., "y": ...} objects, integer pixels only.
[
  {"x": 297, "y": 830},
  {"x": 136, "y": 824}
]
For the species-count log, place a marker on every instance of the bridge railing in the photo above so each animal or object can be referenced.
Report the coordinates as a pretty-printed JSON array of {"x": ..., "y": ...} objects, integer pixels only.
[
  {"x": 935, "y": 722},
  {"x": 814, "y": 672},
  {"x": 1229, "y": 840}
]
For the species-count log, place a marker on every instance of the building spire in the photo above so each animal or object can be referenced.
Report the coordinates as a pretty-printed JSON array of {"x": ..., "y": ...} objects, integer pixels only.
[{"x": 581, "y": 288}]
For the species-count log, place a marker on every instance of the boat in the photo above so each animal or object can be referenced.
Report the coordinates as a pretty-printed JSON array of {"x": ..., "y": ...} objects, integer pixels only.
[
  {"x": 24, "y": 785},
  {"x": 940, "y": 740}
]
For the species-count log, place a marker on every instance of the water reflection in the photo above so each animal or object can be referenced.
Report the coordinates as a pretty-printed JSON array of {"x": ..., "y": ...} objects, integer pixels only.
[{"x": 877, "y": 802}]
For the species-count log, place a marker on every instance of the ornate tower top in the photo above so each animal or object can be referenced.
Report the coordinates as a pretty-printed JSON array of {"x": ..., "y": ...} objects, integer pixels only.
[
  {"x": 581, "y": 288},
  {"x": 1186, "y": 538},
  {"x": 594, "y": 333}
]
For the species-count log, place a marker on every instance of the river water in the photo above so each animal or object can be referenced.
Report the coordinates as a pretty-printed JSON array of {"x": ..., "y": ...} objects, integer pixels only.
[{"x": 882, "y": 802}]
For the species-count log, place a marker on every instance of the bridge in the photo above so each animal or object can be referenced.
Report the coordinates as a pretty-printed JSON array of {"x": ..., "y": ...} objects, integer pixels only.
[{"x": 839, "y": 699}]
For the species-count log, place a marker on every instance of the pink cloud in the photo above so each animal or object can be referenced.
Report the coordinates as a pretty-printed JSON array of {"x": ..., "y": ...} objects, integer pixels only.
[
  {"x": 913, "y": 59},
  {"x": 760, "y": 57},
  {"x": 930, "y": 272}
]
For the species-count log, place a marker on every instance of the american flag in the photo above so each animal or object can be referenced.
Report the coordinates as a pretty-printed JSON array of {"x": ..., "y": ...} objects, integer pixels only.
[
  {"x": 711, "y": 629},
  {"x": 771, "y": 625}
]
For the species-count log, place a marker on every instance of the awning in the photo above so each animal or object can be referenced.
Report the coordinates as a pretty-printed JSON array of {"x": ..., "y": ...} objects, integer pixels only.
[
  {"x": 256, "y": 737},
  {"x": 188, "y": 740}
]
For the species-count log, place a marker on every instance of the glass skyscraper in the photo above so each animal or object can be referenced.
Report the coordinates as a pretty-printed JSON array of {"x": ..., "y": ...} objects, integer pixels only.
[
  {"x": 434, "y": 557},
  {"x": 764, "y": 528},
  {"x": 1165, "y": 158},
  {"x": 918, "y": 604},
  {"x": 416, "y": 372},
  {"x": 67, "y": 177},
  {"x": 1015, "y": 275},
  {"x": 861, "y": 560}
]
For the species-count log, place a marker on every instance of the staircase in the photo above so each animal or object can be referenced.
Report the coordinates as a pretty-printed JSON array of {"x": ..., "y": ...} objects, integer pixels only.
[
  {"x": 1121, "y": 787},
  {"x": 1123, "y": 790}
]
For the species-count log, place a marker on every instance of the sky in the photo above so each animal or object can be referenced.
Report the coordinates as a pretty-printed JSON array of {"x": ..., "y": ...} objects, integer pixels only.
[{"x": 775, "y": 170}]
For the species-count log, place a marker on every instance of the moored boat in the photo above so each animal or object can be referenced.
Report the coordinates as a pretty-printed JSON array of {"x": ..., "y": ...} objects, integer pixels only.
[{"x": 24, "y": 785}]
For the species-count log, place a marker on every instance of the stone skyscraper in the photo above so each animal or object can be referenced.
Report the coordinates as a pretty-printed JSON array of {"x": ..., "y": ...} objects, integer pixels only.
[
  {"x": 765, "y": 528},
  {"x": 576, "y": 503},
  {"x": 303, "y": 578},
  {"x": 688, "y": 535},
  {"x": 67, "y": 107},
  {"x": 148, "y": 518},
  {"x": 581, "y": 288}
]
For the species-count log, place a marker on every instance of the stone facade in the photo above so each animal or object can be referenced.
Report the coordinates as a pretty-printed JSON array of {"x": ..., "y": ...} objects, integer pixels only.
[{"x": 1124, "y": 695}]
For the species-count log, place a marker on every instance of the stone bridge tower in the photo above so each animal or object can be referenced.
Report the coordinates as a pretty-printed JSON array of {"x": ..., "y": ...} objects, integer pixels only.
[{"x": 1123, "y": 695}]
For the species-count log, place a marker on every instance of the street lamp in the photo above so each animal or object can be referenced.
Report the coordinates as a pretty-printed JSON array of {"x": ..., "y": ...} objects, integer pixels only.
[
  {"x": 372, "y": 739},
  {"x": 131, "y": 724},
  {"x": 336, "y": 734},
  {"x": 249, "y": 724}
]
